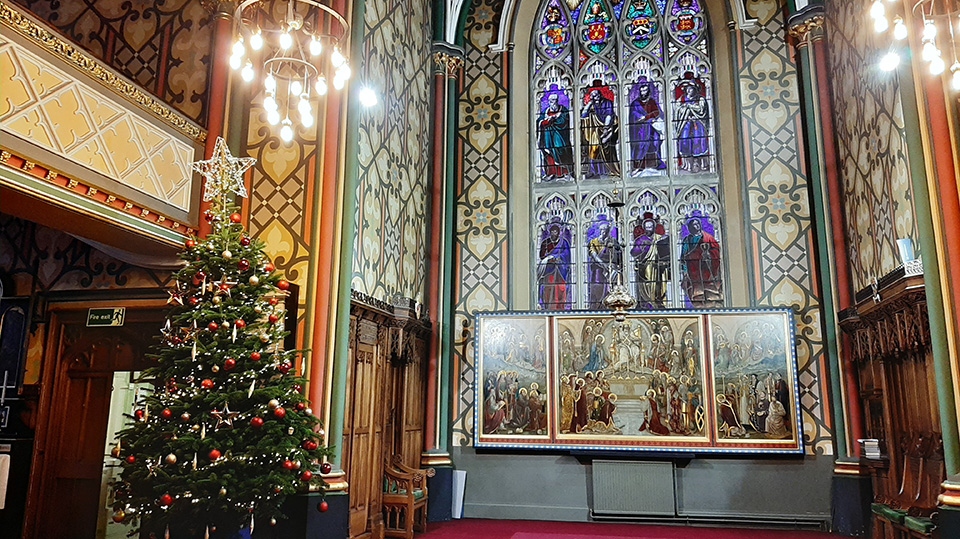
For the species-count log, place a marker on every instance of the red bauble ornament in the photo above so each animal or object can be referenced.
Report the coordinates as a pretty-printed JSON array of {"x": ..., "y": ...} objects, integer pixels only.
[
  {"x": 166, "y": 413},
  {"x": 235, "y": 217},
  {"x": 200, "y": 275},
  {"x": 243, "y": 265},
  {"x": 229, "y": 364},
  {"x": 138, "y": 414},
  {"x": 194, "y": 301},
  {"x": 206, "y": 383},
  {"x": 240, "y": 324},
  {"x": 323, "y": 506},
  {"x": 287, "y": 465},
  {"x": 273, "y": 318},
  {"x": 309, "y": 445},
  {"x": 300, "y": 406},
  {"x": 208, "y": 216},
  {"x": 279, "y": 412},
  {"x": 326, "y": 468},
  {"x": 166, "y": 500},
  {"x": 254, "y": 356},
  {"x": 245, "y": 241},
  {"x": 214, "y": 454},
  {"x": 191, "y": 244},
  {"x": 131, "y": 459},
  {"x": 283, "y": 285},
  {"x": 306, "y": 476},
  {"x": 272, "y": 301},
  {"x": 268, "y": 267},
  {"x": 256, "y": 422},
  {"x": 297, "y": 388},
  {"x": 212, "y": 326},
  {"x": 285, "y": 367}
]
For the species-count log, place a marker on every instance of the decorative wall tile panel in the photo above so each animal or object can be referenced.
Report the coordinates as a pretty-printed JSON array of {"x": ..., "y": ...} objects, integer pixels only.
[
  {"x": 392, "y": 235},
  {"x": 872, "y": 154},
  {"x": 53, "y": 109}
]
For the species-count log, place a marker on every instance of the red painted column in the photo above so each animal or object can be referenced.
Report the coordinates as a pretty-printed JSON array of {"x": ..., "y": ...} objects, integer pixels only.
[
  {"x": 947, "y": 184},
  {"x": 217, "y": 97},
  {"x": 434, "y": 288},
  {"x": 844, "y": 283}
]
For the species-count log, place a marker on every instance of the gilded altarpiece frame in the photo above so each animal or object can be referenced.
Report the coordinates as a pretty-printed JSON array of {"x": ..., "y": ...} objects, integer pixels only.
[{"x": 707, "y": 381}]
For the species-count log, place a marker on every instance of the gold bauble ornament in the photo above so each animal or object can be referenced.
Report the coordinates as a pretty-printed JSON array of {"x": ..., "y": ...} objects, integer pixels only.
[
  {"x": 273, "y": 521},
  {"x": 254, "y": 281},
  {"x": 195, "y": 428},
  {"x": 119, "y": 515},
  {"x": 171, "y": 459},
  {"x": 215, "y": 368},
  {"x": 223, "y": 491},
  {"x": 257, "y": 309},
  {"x": 227, "y": 255},
  {"x": 115, "y": 452},
  {"x": 273, "y": 403},
  {"x": 216, "y": 300}
]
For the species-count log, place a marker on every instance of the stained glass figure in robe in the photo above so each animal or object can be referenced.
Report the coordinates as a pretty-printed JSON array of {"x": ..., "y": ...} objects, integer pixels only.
[
  {"x": 553, "y": 136},
  {"x": 646, "y": 125},
  {"x": 604, "y": 260},
  {"x": 692, "y": 116},
  {"x": 651, "y": 261},
  {"x": 700, "y": 263},
  {"x": 600, "y": 128},
  {"x": 553, "y": 268}
]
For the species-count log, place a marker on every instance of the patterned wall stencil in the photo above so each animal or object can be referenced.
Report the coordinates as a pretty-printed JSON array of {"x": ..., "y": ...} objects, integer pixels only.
[
  {"x": 392, "y": 237},
  {"x": 778, "y": 204},
  {"x": 162, "y": 46},
  {"x": 482, "y": 197},
  {"x": 872, "y": 153}
]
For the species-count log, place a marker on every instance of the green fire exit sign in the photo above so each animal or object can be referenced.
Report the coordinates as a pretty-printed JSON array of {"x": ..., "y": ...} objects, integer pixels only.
[{"x": 105, "y": 317}]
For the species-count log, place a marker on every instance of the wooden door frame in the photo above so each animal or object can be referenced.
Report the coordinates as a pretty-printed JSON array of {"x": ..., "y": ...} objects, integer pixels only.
[{"x": 53, "y": 372}]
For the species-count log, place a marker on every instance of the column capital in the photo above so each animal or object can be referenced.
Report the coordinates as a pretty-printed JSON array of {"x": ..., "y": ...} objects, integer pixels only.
[
  {"x": 219, "y": 8},
  {"x": 447, "y": 58},
  {"x": 807, "y": 24}
]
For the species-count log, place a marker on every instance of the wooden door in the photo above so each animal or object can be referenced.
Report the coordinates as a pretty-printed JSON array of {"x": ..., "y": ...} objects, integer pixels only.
[{"x": 79, "y": 363}]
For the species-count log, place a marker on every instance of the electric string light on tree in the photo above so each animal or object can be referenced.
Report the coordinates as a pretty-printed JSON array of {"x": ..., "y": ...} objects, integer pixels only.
[{"x": 299, "y": 47}]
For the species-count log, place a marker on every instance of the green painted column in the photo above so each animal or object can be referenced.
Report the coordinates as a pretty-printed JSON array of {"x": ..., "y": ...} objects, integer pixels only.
[
  {"x": 822, "y": 225},
  {"x": 933, "y": 280},
  {"x": 348, "y": 228},
  {"x": 448, "y": 330}
]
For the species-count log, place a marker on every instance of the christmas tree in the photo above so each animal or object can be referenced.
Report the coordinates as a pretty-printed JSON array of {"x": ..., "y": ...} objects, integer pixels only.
[{"x": 225, "y": 435}]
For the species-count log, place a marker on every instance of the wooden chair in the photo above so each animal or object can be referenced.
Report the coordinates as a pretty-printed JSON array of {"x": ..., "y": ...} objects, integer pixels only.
[{"x": 404, "y": 499}]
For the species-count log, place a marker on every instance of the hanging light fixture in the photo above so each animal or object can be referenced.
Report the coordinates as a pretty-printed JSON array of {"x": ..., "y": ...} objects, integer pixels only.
[
  {"x": 938, "y": 44},
  {"x": 298, "y": 47}
]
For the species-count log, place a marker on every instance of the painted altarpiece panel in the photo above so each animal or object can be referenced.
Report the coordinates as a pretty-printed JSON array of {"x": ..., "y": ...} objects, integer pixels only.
[{"x": 685, "y": 381}]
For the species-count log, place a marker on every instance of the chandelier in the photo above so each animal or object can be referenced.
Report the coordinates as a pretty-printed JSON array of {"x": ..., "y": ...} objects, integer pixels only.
[
  {"x": 297, "y": 53},
  {"x": 939, "y": 18}
]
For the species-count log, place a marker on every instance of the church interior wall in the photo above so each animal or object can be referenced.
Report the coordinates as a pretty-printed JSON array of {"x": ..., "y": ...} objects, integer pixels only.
[
  {"x": 872, "y": 145},
  {"x": 771, "y": 233}
]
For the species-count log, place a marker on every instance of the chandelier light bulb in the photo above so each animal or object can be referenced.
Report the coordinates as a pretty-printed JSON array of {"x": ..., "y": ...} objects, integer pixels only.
[
  {"x": 877, "y": 10},
  {"x": 286, "y": 131},
  {"x": 247, "y": 72},
  {"x": 273, "y": 117},
  {"x": 256, "y": 40},
  {"x": 880, "y": 24},
  {"x": 238, "y": 49},
  {"x": 344, "y": 71},
  {"x": 929, "y": 51},
  {"x": 890, "y": 61},
  {"x": 955, "y": 81},
  {"x": 929, "y": 30},
  {"x": 286, "y": 40},
  {"x": 368, "y": 98},
  {"x": 321, "y": 85},
  {"x": 296, "y": 87},
  {"x": 270, "y": 104},
  {"x": 937, "y": 65},
  {"x": 270, "y": 83},
  {"x": 338, "y": 83},
  {"x": 306, "y": 120},
  {"x": 899, "y": 29},
  {"x": 236, "y": 62},
  {"x": 336, "y": 58},
  {"x": 315, "y": 46},
  {"x": 303, "y": 105}
]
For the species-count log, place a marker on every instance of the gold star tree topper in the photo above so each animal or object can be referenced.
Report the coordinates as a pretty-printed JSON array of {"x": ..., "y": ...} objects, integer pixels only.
[{"x": 223, "y": 172}]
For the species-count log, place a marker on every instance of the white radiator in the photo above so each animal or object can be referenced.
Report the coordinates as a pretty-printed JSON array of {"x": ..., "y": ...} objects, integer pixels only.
[{"x": 628, "y": 488}]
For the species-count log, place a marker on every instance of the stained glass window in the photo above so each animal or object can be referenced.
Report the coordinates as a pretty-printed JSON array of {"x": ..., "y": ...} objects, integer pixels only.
[{"x": 625, "y": 180}]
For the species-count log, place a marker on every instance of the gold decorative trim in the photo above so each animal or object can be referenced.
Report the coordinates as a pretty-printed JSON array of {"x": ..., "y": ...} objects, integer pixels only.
[
  {"x": 950, "y": 496},
  {"x": 448, "y": 63},
  {"x": 72, "y": 184},
  {"x": 94, "y": 68},
  {"x": 435, "y": 459},
  {"x": 812, "y": 27},
  {"x": 28, "y": 166},
  {"x": 5, "y": 156},
  {"x": 92, "y": 192},
  {"x": 335, "y": 481},
  {"x": 51, "y": 175},
  {"x": 849, "y": 468}
]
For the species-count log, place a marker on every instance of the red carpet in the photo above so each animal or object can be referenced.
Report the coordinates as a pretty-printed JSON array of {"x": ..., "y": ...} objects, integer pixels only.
[{"x": 526, "y": 529}]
